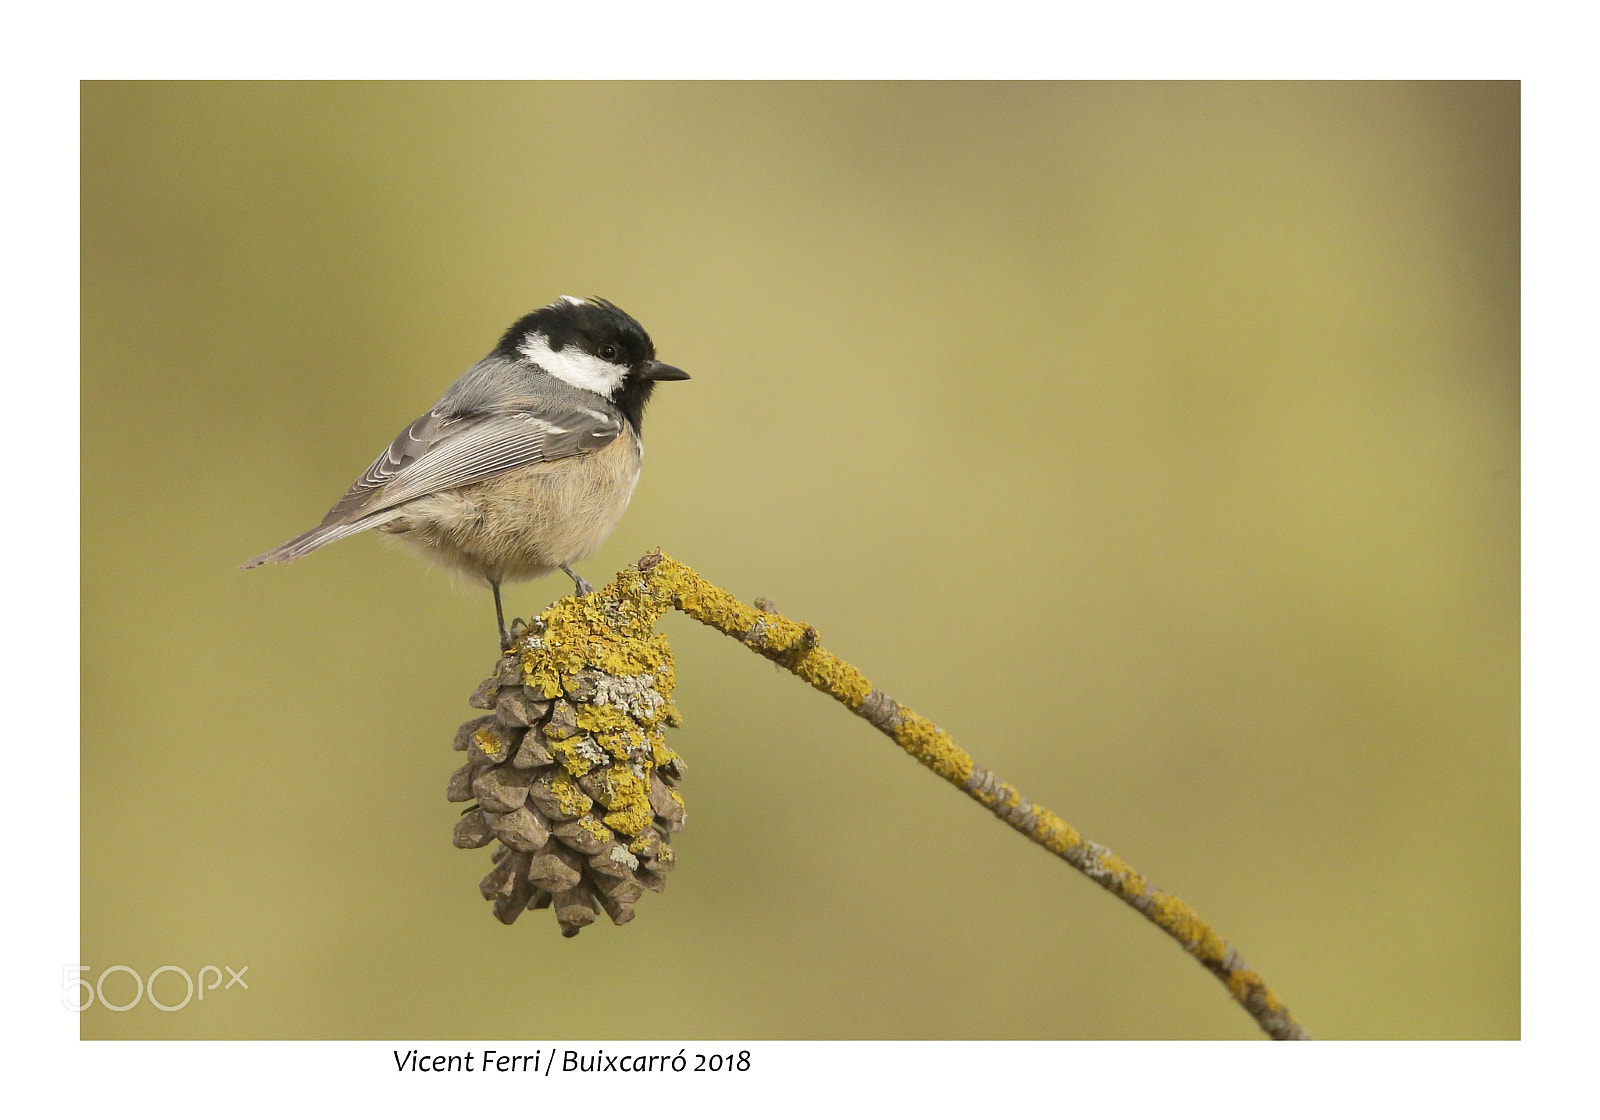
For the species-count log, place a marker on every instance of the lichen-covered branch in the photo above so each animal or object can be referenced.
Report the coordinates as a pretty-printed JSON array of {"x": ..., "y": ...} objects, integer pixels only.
[
  {"x": 663, "y": 583},
  {"x": 571, "y": 774}
]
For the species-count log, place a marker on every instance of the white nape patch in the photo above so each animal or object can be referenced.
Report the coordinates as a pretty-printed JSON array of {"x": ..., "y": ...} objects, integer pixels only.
[
  {"x": 575, "y": 301},
  {"x": 572, "y": 365}
]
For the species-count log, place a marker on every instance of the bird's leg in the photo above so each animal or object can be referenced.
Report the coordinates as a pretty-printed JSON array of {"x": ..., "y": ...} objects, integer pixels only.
[
  {"x": 500, "y": 616},
  {"x": 578, "y": 582}
]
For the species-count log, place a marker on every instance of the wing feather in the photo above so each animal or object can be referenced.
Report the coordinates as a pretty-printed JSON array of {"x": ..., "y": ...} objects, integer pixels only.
[
  {"x": 442, "y": 451},
  {"x": 409, "y": 446},
  {"x": 434, "y": 455}
]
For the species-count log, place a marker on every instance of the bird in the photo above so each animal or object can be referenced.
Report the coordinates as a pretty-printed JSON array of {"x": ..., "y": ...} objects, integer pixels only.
[{"x": 525, "y": 465}]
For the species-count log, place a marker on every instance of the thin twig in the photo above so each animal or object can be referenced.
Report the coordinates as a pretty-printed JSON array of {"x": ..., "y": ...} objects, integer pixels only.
[{"x": 796, "y": 647}]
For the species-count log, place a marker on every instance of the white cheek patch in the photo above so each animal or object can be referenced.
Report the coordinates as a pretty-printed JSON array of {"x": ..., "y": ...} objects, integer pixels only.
[{"x": 572, "y": 365}]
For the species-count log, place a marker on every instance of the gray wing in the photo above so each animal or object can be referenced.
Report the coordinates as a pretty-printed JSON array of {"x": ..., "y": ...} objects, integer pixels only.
[
  {"x": 409, "y": 446},
  {"x": 474, "y": 449},
  {"x": 438, "y": 452}
]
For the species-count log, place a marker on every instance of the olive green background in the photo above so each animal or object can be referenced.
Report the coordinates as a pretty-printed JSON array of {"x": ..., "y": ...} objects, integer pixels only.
[{"x": 1157, "y": 440}]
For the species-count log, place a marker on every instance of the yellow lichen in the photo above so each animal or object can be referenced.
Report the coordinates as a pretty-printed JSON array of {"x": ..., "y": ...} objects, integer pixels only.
[
  {"x": 933, "y": 748},
  {"x": 630, "y": 810},
  {"x": 488, "y": 741},
  {"x": 565, "y": 751},
  {"x": 602, "y": 719},
  {"x": 660, "y": 753},
  {"x": 573, "y": 801}
]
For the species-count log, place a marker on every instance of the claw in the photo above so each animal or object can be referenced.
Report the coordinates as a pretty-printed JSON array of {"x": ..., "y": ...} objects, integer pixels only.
[{"x": 580, "y": 585}]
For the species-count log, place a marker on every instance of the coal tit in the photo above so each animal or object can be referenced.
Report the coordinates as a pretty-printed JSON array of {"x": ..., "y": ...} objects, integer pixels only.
[{"x": 527, "y": 462}]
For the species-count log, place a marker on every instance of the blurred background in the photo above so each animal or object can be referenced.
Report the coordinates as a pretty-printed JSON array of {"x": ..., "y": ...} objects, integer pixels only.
[{"x": 1159, "y": 441}]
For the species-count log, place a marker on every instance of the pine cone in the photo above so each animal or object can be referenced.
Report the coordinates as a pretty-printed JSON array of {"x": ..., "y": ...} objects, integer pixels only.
[{"x": 570, "y": 771}]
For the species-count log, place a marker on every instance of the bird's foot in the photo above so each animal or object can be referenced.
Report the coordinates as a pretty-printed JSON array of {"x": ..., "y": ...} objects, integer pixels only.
[
  {"x": 510, "y": 637},
  {"x": 580, "y": 585}
]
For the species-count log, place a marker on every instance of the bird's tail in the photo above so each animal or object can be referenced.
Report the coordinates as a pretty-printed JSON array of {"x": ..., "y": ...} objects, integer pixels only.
[{"x": 313, "y": 539}]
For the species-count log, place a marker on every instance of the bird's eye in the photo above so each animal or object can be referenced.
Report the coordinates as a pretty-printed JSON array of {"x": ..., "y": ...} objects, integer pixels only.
[{"x": 608, "y": 352}]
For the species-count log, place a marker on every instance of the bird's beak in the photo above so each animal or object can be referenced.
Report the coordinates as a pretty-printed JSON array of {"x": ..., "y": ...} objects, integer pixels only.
[{"x": 660, "y": 371}]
